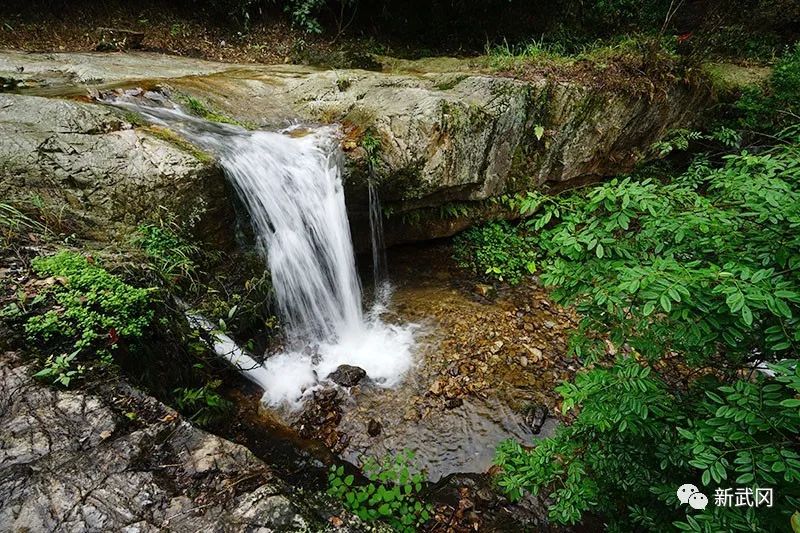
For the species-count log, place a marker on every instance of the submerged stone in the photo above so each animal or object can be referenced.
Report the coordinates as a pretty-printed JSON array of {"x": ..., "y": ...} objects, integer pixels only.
[{"x": 374, "y": 428}]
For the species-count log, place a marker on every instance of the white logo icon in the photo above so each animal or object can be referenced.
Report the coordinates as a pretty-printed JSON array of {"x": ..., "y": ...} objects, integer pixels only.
[
  {"x": 685, "y": 491},
  {"x": 690, "y": 494},
  {"x": 698, "y": 501}
]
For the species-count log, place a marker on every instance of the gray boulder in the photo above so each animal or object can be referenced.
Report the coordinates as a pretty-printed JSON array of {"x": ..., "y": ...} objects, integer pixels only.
[
  {"x": 70, "y": 462},
  {"x": 452, "y": 132},
  {"x": 87, "y": 168}
]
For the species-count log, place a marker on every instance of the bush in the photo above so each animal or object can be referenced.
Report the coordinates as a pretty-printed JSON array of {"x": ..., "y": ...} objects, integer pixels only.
[
  {"x": 778, "y": 105},
  {"x": 94, "y": 309},
  {"x": 497, "y": 251},
  {"x": 392, "y": 493},
  {"x": 81, "y": 314},
  {"x": 634, "y": 441},
  {"x": 699, "y": 272}
]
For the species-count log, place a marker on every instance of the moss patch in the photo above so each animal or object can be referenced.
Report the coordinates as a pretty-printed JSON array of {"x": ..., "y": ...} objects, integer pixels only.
[
  {"x": 173, "y": 138},
  {"x": 203, "y": 110},
  {"x": 729, "y": 78}
]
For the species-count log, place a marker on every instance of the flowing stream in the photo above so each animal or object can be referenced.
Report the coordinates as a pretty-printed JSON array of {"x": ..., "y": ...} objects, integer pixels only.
[{"x": 291, "y": 185}]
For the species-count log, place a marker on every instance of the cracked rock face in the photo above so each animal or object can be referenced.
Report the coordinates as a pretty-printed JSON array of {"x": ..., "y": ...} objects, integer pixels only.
[
  {"x": 70, "y": 462},
  {"x": 98, "y": 175}
]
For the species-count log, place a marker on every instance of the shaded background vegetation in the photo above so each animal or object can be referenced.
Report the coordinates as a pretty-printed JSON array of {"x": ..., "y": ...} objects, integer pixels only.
[{"x": 468, "y": 25}]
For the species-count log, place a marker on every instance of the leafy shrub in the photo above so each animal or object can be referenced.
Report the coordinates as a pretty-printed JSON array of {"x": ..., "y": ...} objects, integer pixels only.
[
  {"x": 496, "y": 250},
  {"x": 634, "y": 441},
  {"x": 777, "y": 105},
  {"x": 701, "y": 270},
  {"x": 203, "y": 405},
  {"x": 392, "y": 494},
  {"x": 91, "y": 310}
]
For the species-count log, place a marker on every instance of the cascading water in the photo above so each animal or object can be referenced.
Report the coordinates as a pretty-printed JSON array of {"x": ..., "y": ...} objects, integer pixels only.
[
  {"x": 290, "y": 182},
  {"x": 379, "y": 269},
  {"x": 292, "y": 188}
]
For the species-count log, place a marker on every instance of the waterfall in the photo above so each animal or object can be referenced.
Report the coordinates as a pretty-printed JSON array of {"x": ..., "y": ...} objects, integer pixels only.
[
  {"x": 291, "y": 185},
  {"x": 293, "y": 192},
  {"x": 292, "y": 188},
  {"x": 379, "y": 269}
]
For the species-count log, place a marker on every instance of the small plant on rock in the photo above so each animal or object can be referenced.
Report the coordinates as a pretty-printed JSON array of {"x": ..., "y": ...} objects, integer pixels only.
[
  {"x": 171, "y": 257},
  {"x": 88, "y": 311},
  {"x": 203, "y": 404},
  {"x": 392, "y": 493}
]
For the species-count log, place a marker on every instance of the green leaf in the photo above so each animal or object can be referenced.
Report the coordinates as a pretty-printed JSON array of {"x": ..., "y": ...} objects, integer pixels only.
[
  {"x": 747, "y": 315},
  {"x": 666, "y": 304},
  {"x": 795, "y": 522}
]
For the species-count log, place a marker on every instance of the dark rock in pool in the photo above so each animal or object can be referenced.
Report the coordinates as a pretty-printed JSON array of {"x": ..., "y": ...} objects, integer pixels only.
[
  {"x": 347, "y": 375},
  {"x": 374, "y": 428},
  {"x": 453, "y": 403}
]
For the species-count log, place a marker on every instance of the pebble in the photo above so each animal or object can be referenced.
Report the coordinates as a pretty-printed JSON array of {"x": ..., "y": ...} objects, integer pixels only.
[{"x": 374, "y": 428}]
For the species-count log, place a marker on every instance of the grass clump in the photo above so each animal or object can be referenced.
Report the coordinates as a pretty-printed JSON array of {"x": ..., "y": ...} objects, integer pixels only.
[
  {"x": 172, "y": 258},
  {"x": 201, "y": 109}
]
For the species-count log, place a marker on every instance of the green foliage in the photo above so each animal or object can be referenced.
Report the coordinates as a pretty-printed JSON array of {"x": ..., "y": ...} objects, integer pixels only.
[
  {"x": 202, "y": 110},
  {"x": 13, "y": 222},
  {"x": 634, "y": 441},
  {"x": 171, "y": 257},
  {"x": 392, "y": 493},
  {"x": 697, "y": 271},
  {"x": 778, "y": 105},
  {"x": 92, "y": 300},
  {"x": 497, "y": 251},
  {"x": 89, "y": 309},
  {"x": 203, "y": 405},
  {"x": 59, "y": 369},
  {"x": 304, "y": 14},
  {"x": 371, "y": 144},
  {"x": 704, "y": 262}
]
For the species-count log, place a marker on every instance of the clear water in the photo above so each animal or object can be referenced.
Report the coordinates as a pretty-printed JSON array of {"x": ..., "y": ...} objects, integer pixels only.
[{"x": 291, "y": 184}]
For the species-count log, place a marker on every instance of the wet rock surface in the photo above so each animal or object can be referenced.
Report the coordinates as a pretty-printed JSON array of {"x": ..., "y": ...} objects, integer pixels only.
[
  {"x": 347, "y": 375},
  {"x": 121, "y": 461}
]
